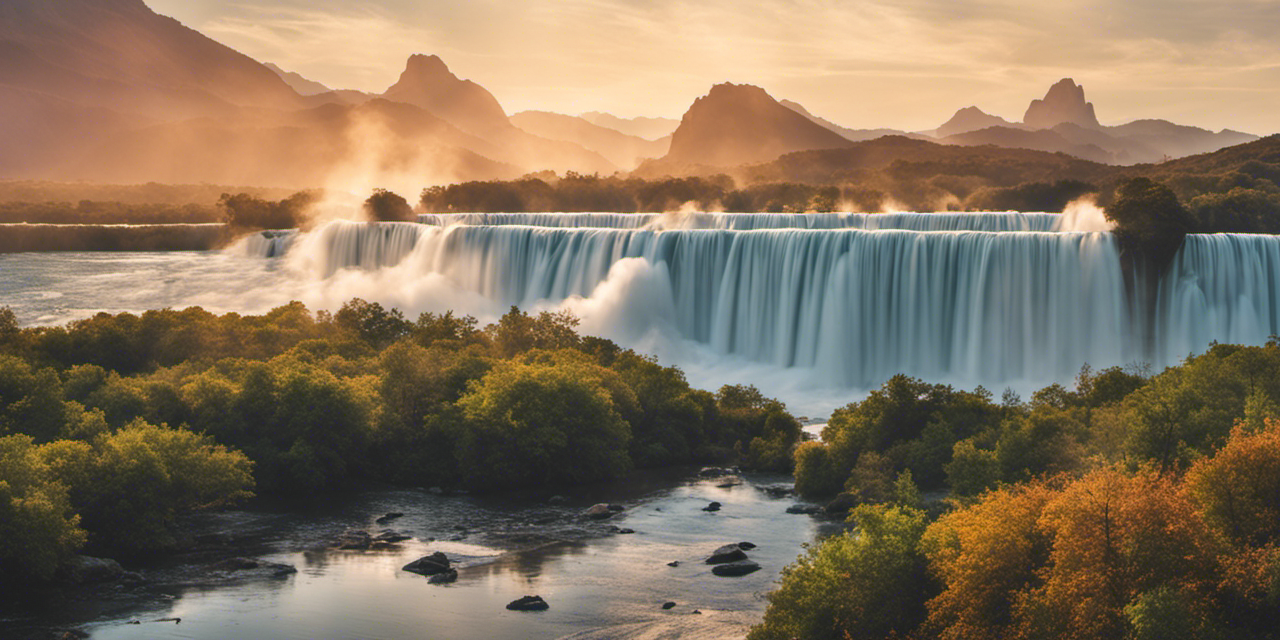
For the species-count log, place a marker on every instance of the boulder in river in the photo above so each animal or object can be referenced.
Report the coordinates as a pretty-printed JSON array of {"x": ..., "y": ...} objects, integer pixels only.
[
  {"x": 714, "y": 506},
  {"x": 354, "y": 541},
  {"x": 87, "y": 569},
  {"x": 235, "y": 564},
  {"x": 528, "y": 603},
  {"x": 673, "y": 563},
  {"x": 429, "y": 565},
  {"x": 746, "y": 546},
  {"x": 389, "y": 517},
  {"x": 258, "y": 567},
  {"x": 668, "y": 605},
  {"x": 444, "y": 578},
  {"x": 392, "y": 537},
  {"x": 727, "y": 553},
  {"x": 804, "y": 509},
  {"x": 599, "y": 512},
  {"x": 734, "y": 569}
]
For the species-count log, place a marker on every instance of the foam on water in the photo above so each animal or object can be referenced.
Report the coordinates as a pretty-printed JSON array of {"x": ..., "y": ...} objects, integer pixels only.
[{"x": 813, "y": 308}]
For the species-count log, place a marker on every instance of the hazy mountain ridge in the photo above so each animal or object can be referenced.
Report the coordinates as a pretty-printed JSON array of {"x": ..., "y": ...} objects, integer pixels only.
[
  {"x": 622, "y": 150},
  {"x": 641, "y": 127},
  {"x": 1065, "y": 112},
  {"x": 852, "y": 135}
]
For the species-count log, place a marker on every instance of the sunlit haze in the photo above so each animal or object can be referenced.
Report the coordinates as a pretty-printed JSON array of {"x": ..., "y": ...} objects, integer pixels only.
[{"x": 906, "y": 64}]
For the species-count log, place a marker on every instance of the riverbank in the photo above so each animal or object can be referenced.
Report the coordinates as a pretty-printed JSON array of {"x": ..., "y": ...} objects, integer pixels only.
[
  {"x": 21, "y": 237},
  {"x": 506, "y": 546}
]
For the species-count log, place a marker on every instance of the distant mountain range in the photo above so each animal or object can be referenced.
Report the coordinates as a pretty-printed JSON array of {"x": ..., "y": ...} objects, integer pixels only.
[{"x": 107, "y": 90}]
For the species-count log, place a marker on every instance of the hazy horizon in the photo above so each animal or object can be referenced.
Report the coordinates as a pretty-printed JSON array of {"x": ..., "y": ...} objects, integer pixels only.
[{"x": 907, "y": 64}]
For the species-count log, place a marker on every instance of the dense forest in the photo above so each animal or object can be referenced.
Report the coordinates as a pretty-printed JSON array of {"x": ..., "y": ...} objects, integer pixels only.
[
  {"x": 113, "y": 426},
  {"x": 1132, "y": 506},
  {"x": 1236, "y": 189}
]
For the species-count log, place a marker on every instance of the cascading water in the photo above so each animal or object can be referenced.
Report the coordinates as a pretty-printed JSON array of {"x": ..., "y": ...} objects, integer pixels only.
[
  {"x": 1006, "y": 221},
  {"x": 846, "y": 300}
]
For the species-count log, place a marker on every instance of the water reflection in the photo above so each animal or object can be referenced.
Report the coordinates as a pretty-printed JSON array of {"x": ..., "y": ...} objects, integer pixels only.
[{"x": 590, "y": 581}]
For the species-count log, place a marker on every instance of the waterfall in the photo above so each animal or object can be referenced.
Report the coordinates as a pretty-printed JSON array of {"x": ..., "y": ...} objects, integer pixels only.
[
  {"x": 1007, "y": 221},
  {"x": 994, "y": 299},
  {"x": 1221, "y": 287}
]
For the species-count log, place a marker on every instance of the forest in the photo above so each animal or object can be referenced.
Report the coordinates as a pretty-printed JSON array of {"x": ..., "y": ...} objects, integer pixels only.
[
  {"x": 1131, "y": 506},
  {"x": 113, "y": 427}
]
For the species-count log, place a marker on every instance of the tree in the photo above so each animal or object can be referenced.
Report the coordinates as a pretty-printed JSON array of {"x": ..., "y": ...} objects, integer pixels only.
[
  {"x": 130, "y": 486},
  {"x": 986, "y": 557},
  {"x": 534, "y": 424},
  {"x": 1150, "y": 219},
  {"x": 385, "y": 206},
  {"x": 38, "y": 528},
  {"x": 1116, "y": 537},
  {"x": 1238, "y": 489},
  {"x": 870, "y": 584}
]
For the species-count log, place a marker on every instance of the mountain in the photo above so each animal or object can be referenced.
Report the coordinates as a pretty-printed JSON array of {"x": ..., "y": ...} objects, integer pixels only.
[
  {"x": 1175, "y": 141},
  {"x": 1063, "y": 103},
  {"x": 427, "y": 82},
  {"x": 297, "y": 82},
  {"x": 739, "y": 124},
  {"x": 647, "y": 128},
  {"x": 619, "y": 148},
  {"x": 118, "y": 54},
  {"x": 1065, "y": 122},
  {"x": 971, "y": 119},
  {"x": 1038, "y": 140},
  {"x": 853, "y": 135}
]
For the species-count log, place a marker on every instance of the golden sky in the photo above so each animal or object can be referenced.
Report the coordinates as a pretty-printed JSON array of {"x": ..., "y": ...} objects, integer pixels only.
[{"x": 905, "y": 64}]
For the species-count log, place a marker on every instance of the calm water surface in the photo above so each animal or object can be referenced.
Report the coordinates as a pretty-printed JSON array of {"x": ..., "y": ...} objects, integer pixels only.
[{"x": 591, "y": 582}]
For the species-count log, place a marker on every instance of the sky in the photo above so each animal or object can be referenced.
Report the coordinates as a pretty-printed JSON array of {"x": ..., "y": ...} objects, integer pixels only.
[{"x": 906, "y": 64}]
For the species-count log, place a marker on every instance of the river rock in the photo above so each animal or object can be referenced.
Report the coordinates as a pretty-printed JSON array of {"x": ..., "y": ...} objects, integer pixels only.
[
  {"x": 354, "y": 541},
  {"x": 235, "y": 564},
  {"x": 714, "y": 506},
  {"x": 259, "y": 567},
  {"x": 389, "y": 517},
  {"x": 668, "y": 605},
  {"x": 804, "y": 509},
  {"x": 778, "y": 490},
  {"x": 529, "y": 603},
  {"x": 599, "y": 512},
  {"x": 429, "y": 565},
  {"x": 444, "y": 578},
  {"x": 87, "y": 569},
  {"x": 392, "y": 537},
  {"x": 673, "y": 563},
  {"x": 746, "y": 546},
  {"x": 715, "y": 472},
  {"x": 733, "y": 569},
  {"x": 727, "y": 553}
]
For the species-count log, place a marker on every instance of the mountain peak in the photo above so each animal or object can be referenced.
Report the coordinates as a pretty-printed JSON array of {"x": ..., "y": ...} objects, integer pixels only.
[
  {"x": 1063, "y": 103},
  {"x": 970, "y": 119},
  {"x": 428, "y": 83},
  {"x": 740, "y": 123},
  {"x": 427, "y": 65}
]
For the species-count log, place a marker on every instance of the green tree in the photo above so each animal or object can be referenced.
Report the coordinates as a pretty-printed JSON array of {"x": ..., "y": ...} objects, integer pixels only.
[
  {"x": 130, "y": 486},
  {"x": 385, "y": 206},
  {"x": 38, "y": 528},
  {"x": 867, "y": 584},
  {"x": 533, "y": 424}
]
